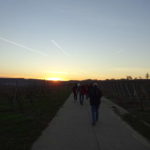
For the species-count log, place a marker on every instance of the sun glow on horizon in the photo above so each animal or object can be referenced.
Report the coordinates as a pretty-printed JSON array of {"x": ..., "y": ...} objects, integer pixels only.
[{"x": 55, "y": 79}]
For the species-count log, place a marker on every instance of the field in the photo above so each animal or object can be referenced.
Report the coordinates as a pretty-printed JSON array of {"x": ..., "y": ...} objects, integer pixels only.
[
  {"x": 27, "y": 106},
  {"x": 26, "y": 109},
  {"x": 134, "y": 96}
]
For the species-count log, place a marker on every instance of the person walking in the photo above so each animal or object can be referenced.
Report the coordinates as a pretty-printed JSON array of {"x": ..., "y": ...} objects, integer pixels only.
[
  {"x": 95, "y": 95},
  {"x": 81, "y": 93},
  {"x": 74, "y": 89},
  {"x": 87, "y": 91}
]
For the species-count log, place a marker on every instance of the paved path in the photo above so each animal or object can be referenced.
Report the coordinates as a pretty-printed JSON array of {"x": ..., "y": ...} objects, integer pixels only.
[{"x": 71, "y": 129}]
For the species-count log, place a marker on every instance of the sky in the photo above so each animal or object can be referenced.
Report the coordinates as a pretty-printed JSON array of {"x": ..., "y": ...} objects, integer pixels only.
[{"x": 74, "y": 39}]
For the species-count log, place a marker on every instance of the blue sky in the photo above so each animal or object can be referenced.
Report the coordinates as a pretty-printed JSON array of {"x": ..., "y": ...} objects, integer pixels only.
[{"x": 74, "y": 39}]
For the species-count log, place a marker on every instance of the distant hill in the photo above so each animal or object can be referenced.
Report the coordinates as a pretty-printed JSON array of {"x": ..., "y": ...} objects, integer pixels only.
[{"x": 18, "y": 81}]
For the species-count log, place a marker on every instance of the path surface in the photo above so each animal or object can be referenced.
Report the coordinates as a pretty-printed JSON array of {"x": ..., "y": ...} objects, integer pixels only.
[{"x": 71, "y": 129}]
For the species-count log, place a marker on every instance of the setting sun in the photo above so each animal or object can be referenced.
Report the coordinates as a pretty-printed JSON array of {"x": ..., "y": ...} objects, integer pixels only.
[{"x": 54, "y": 79}]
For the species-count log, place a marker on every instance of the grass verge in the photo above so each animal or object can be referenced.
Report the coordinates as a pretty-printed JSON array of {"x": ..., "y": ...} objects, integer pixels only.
[
  {"x": 135, "y": 122},
  {"x": 139, "y": 125},
  {"x": 19, "y": 130}
]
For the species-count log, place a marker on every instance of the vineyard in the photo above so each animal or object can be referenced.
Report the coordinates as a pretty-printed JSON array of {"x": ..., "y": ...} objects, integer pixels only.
[
  {"x": 26, "y": 108},
  {"x": 133, "y": 95}
]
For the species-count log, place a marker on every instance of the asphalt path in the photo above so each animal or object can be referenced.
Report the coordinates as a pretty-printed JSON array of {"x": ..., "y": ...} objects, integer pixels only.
[{"x": 71, "y": 129}]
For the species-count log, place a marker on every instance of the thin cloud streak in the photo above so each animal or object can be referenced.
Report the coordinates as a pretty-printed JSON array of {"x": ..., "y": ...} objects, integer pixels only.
[
  {"x": 22, "y": 46},
  {"x": 60, "y": 48}
]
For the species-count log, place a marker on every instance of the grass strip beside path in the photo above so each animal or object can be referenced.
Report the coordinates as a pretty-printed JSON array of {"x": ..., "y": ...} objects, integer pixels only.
[
  {"x": 18, "y": 130},
  {"x": 137, "y": 124}
]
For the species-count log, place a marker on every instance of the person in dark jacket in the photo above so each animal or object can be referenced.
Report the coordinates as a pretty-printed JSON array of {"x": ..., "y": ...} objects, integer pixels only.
[
  {"x": 74, "y": 90},
  {"x": 95, "y": 95},
  {"x": 81, "y": 94}
]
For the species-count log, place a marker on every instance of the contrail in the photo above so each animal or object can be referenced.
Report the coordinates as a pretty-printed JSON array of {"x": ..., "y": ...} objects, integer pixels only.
[
  {"x": 22, "y": 46},
  {"x": 60, "y": 48}
]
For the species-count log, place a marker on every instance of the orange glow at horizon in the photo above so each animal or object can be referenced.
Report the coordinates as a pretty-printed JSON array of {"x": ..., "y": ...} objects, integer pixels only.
[
  {"x": 55, "y": 79},
  {"x": 66, "y": 76}
]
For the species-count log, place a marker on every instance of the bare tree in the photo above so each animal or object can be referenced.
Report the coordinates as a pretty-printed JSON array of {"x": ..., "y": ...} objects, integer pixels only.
[
  {"x": 147, "y": 75},
  {"x": 129, "y": 78}
]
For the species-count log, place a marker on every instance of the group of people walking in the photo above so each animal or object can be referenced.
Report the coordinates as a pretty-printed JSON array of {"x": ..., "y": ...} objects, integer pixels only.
[
  {"x": 80, "y": 91},
  {"x": 92, "y": 93}
]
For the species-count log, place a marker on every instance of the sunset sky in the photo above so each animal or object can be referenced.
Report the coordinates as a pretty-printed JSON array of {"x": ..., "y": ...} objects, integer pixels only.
[{"x": 74, "y": 39}]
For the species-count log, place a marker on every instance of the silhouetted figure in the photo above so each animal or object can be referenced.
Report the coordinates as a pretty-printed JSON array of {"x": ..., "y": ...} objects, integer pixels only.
[
  {"x": 81, "y": 94},
  {"x": 95, "y": 95},
  {"x": 87, "y": 91},
  {"x": 75, "y": 90}
]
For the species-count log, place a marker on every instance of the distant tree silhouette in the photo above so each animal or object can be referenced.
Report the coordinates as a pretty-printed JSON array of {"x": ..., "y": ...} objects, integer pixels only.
[
  {"x": 129, "y": 78},
  {"x": 140, "y": 77},
  {"x": 147, "y": 75}
]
